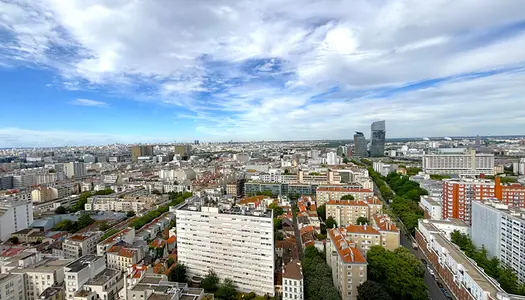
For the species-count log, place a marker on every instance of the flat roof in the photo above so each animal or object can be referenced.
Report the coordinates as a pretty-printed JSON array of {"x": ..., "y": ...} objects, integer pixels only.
[
  {"x": 81, "y": 263},
  {"x": 103, "y": 277},
  {"x": 474, "y": 272}
]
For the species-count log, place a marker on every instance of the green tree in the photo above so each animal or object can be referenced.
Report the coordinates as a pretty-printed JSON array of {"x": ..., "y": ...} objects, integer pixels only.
[
  {"x": 371, "y": 290},
  {"x": 104, "y": 227},
  {"x": 170, "y": 262},
  {"x": 346, "y": 160},
  {"x": 66, "y": 225},
  {"x": 330, "y": 222},
  {"x": 347, "y": 197},
  {"x": 362, "y": 221},
  {"x": 84, "y": 221},
  {"x": 210, "y": 282},
  {"x": 277, "y": 210},
  {"x": 130, "y": 214},
  {"x": 277, "y": 224},
  {"x": 178, "y": 274},
  {"x": 13, "y": 240},
  {"x": 60, "y": 210},
  {"x": 321, "y": 212},
  {"x": 227, "y": 290},
  {"x": 318, "y": 284}
]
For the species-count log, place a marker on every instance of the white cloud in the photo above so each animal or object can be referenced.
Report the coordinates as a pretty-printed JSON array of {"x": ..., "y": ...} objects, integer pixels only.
[
  {"x": 263, "y": 63},
  {"x": 87, "y": 102}
]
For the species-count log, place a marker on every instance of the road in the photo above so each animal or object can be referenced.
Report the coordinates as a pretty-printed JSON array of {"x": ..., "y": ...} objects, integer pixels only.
[{"x": 298, "y": 240}]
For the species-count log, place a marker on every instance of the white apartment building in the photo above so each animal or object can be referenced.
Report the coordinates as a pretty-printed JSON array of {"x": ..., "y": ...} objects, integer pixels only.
[
  {"x": 325, "y": 194},
  {"x": 458, "y": 161},
  {"x": 106, "y": 284},
  {"x": 332, "y": 159},
  {"x": 75, "y": 169},
  {"x": 431, "y": 208},
  {"x": 81, "y": 244},
  {"x": 15, "y": 215},
  {"x": 78, "y": 272},
  {"x": 12, "y": 287},
  {"x": 347, "y": 263},
  {"x": 44, "y": 193},
  {"x": 502, "y": 232},
  {"x": 236, "y": 243},
  {"x": 293, "y": 283}
]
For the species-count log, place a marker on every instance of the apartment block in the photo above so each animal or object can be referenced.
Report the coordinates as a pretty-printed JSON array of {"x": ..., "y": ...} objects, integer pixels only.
[
  {"x": 120, "y": 257},
  {"x": 81, "y": 244},
  {"x": 390, "y": 234},
  {"x": 347, "y": 212},
  {"x": 348, "y": 265},
  {"x": 459, "y": 194},
  {"x": 431, "y": 208},
  {"x": 44, "y": 193},
  {"x": 157, "y": 287},
  {"x": 126, "y": 235},
  {"x": 501, "y": 230},
  {"x": 325, "y": 194},
  {"x": 236, "y": 243},
  {"x": 293, "y": 283},
  {"x": 80, "y": 271},
  {"x": 12, "y": 287},
  {"x": 106, "y": 284},
  {"x": 463, "y": 278},
  {"x": 458, "y": 161},
  {"x": 15, "y": 215}
]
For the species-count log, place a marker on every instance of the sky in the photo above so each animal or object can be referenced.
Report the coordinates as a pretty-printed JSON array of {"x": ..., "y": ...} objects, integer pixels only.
[{"x": 124, "y": 71}]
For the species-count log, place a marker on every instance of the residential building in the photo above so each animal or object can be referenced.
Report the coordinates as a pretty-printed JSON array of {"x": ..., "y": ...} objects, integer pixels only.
[
  {"x": 293, "y": 282},
  {"x": 325, "y": 194},
  {"x": 348, "y": 265},
  {"x": 462, "y": 277},
  {"x": 149, "y": 286},
  {"x": 75, "y": 169},
  {"x": 332, "y": 159},
  {"x": 105, "y": 284},
  {"x": 459, "y": 194},
  {"x": 44, "y": 193},
  {"x": 390, "y": 234},
  {"x": 346, "y": 212},
  {"x": 501, "y": 230},
  {"x": 141, "y": 151},
  {"x": 12, "y": 287},
  {"x": 431, "y": 209},
  {"x": 15, "y": 215},
  {"x": 6, "y": 182},
  {"x": 182, "y": 150},
  {"x": 80, "y": 271},
  {"x": 126, "y": 235},
  {"x": 458, "y": 161},
  {"x": 236, "y": 243},
  {"x": 446, "y": 227},
  {"x": 377, "y": 139},
  {"x": 121, "y": 257},
  {"x": 360, "y": 145},
  {"x": 81, "y": 244},
  {"x": 53, "y": 293}
]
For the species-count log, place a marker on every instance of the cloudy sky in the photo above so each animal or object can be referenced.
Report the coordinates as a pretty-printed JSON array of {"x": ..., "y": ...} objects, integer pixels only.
[{"x": 96, "y": 72}]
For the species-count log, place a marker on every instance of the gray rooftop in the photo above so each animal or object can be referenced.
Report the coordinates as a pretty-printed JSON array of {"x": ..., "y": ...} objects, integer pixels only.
[
  {"x": 103, "y": 277},
  {"x": 81, "y": 263}
]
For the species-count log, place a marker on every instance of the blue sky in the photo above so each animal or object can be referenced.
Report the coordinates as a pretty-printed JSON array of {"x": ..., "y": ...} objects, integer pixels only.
[{"x": 98, "y": 72}]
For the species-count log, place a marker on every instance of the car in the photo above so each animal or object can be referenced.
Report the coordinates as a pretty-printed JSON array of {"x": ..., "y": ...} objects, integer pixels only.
[
  {"x": 424, "y": 261},
  {"x": 431, "y": 272},
  {"x": 440, "y": 285}
]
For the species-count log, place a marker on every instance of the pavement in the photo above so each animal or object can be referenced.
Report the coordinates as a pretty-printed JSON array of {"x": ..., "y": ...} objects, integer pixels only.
[{"x": 297, "y": 235}]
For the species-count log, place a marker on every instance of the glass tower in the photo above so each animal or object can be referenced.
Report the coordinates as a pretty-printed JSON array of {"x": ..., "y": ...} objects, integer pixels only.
[{"x": 377, "y": 139}]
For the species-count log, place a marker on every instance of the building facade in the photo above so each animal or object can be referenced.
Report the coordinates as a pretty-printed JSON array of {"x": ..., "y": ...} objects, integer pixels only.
[
  {"x": 360, "y": 145},
  {"x": 293, "y": 283},
  {"x": 325, "y": 194},
  {"x": 466, "y": 162},
  {"x": 346, "y": 212},
  {"x": 235, "y": 243},
  {"x": 15, "y": 215},
  {"x": 81, "y": 244},
  {"x": 377, "y": 139}
]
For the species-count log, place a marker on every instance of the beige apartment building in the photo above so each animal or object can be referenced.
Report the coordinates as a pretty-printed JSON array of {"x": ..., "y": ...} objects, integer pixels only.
[
  {"x": 120, "y": 258},
  {"x": 325, "y": 194},
  {"x": 347, "y": 263},
  {"x": 347, "y": 212}
]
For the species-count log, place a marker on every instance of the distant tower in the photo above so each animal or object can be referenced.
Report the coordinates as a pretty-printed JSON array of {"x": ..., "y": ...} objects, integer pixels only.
[
  {"x": 377, "y": 139},
  {"x": 360, "y": 145}
]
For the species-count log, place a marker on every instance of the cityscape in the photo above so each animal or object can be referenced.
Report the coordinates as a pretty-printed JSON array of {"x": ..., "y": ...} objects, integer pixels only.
[{"x": 264, "y": 150}]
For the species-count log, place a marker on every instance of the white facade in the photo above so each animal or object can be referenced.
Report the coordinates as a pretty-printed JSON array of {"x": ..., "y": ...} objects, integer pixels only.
[
  {"x": 14, "y": 216},
  {"x": 75, "y": 169},
  {"x": 502, "y": 232},
  {"x": 446, "y": 227},
  {"x": 12, "y": 287},
  {"x": 467, "y": 163},
  {"x": 235, "y": 246},
  {"x": 431, "y": 207},
  {"x": 81, "y": 244},
  {"x": 332, "y": 159},
  {"x": 80, "y": 271},
  {"x": 293, "y": 289}
]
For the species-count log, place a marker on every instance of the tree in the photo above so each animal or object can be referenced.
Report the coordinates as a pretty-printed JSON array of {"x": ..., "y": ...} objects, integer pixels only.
[
  {"x": 318, "y": 284},
  {"x": 346, "y": 160},
  {"x": 277, "y": 224},
  {"x": 170, "y": 262},
  {"x": 331, "y": 223},
  {"x": 66, "y": 225},
  {"x": 178, "y": 274},
  {"x": 130, "y": 214},
  {"x": 210, "y": 282},
  {"x": 347, "y": 197},
  {"x": 13, "y": 240},
  {"x": 371, "y": 290},
  {"x": 104, "y": 227},
  {"x": 227, "y": 290},
  {"x": 321, "y": 212},
  {"x": 362, "y": 221},
  {"x": 277, "y": 210},
  {"x": 60, "y": 210},
  {"x": 84, "y": 221}
]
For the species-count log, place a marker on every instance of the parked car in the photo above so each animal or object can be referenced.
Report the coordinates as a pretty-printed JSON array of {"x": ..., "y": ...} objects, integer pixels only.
[
  {"x": 424, "y": 261},
  {"x": 440, "y": 285}
]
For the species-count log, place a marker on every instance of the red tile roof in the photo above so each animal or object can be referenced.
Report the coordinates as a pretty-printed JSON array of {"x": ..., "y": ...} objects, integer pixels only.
[
  {"x": 363, "y": 229},
  {"x": 340, "y": 189},
  {"x": 172, "y": 239},
  {"x": 348, "y": 254},
  {"x": 384, "y": 223},
  {"x": 347, "y": 202},
  {"x": 158, "y": 243}
]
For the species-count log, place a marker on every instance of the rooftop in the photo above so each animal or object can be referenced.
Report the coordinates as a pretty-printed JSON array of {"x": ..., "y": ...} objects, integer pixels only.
[
  {"x": 363, "y": 229},
  {"x": 293, "y": 270},
  {"x": 343, "y": 189},
  {"x": 223, "y": 206},
  {"x": 103, "y": 277},
  {"x": 346, "y": 253},
  {"x": 82, "y": 262}
]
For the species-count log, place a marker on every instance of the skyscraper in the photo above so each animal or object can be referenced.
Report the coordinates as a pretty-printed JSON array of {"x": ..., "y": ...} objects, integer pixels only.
[
  {"x": 377, "y": 139},
  {"x": 360, "y": 145}
]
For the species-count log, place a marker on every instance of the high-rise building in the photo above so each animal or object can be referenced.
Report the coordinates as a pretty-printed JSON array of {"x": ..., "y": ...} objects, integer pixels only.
[
  {"x": 377, "y": 139},
  {"x": 458, "y": 161},
  {"x": 15, "y": 215},
  {"x": 75, "y": 169},
  {"x": 360, "y": 145},
  {"x": 500, "y": 230},
  {"x": 332, "y": 159},
  {"x": 459, "y": 194},
  {"x": 140, "y": 151},
  {"x": 182, "y": 150},
  {"x": 235, "y": 243}
]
